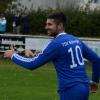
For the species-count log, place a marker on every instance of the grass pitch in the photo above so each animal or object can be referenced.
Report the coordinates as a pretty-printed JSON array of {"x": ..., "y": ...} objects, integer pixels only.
[{"x": 17, "y": 83}]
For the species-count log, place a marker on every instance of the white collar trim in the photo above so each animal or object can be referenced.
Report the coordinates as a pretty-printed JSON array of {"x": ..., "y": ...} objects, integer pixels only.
[{"x": 63, "y": 33}]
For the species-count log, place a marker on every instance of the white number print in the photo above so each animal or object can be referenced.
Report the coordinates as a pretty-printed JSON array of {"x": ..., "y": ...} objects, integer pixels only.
[{"x": 78, "y": 56}]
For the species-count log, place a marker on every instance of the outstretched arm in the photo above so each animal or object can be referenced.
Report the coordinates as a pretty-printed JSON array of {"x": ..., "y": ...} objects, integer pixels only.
[{"x": 50, "y": 53}]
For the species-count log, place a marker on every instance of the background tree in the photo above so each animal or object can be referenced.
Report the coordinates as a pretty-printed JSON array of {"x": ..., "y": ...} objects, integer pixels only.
[{"x": 4, "y": 5}]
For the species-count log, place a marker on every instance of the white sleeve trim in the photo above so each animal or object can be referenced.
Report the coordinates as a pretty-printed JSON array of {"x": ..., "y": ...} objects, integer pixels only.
[{"x": 23, "y": 58}]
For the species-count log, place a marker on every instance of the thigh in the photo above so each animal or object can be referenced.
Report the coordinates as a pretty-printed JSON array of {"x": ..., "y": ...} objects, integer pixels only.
[{"x": 79, "y": 92}]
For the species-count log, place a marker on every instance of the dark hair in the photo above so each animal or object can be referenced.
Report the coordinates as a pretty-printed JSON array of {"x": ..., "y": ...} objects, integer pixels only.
[{"x": 59, "y": 17}]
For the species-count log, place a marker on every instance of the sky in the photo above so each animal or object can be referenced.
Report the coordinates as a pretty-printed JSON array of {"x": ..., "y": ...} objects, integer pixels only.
[
  {"x": 35, "y": 4},
  {"x": 45, "y": 3}
]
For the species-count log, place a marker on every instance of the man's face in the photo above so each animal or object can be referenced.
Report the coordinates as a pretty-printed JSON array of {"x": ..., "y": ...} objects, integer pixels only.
[{"x": 51, "y": 27}]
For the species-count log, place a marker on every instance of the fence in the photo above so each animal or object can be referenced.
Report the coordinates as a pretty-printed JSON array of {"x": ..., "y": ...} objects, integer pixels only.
[
  {"x": 21, "y": 42},
  {"x": 93, "y": 43}
]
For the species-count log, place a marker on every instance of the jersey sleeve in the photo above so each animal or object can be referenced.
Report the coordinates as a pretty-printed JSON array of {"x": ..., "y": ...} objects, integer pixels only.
[
  {"x": 95, "y": 61},
  {"x": 48, "y": 54}
]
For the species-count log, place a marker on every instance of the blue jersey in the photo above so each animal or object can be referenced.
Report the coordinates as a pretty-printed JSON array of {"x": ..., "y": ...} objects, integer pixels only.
[{"x": 67, "y": 52}]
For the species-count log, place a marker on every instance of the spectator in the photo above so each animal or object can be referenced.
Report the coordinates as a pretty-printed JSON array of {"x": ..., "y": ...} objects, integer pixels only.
[
  {"x": 3, "y": 23},
  {"x": 17, "y": 24},
  {"x": 25, "y": 23}
]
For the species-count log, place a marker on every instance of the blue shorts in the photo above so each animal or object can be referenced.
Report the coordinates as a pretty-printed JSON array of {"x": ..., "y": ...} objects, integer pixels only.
[{"x": 78, "y": 92}]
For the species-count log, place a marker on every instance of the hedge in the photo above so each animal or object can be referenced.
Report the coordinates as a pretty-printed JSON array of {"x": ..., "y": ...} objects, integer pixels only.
[{"x": 80, "y": 22}]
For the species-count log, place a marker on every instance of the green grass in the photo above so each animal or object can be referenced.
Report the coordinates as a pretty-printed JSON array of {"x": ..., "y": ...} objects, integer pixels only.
[{"x": 17, "y": 83}]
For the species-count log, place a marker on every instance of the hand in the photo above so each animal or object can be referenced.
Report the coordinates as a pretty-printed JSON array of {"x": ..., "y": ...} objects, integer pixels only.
[
  {"x": 9, "y": 53},
  {"x": 93, "y": 87},
  {"x": 29, "y": 53}
]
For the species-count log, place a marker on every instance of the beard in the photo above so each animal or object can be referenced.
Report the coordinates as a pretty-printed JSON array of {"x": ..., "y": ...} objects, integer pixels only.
[{"x": 50, "y": 33}]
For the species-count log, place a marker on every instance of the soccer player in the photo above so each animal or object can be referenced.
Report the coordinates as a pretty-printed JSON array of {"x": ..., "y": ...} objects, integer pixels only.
[{"x": 67, "y": 52}]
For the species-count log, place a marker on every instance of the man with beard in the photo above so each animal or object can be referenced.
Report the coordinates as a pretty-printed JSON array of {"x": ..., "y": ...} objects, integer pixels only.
[{"x": 67, "y": 52}]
